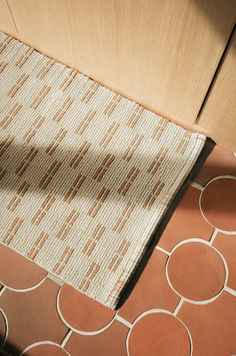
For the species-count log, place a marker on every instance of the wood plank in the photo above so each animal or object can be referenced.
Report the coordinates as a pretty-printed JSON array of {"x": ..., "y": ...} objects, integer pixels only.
[
  {"x": 160, "y": 53},
  {"x": 6, "y": 22},
  {"x": 219, "y": 113}
]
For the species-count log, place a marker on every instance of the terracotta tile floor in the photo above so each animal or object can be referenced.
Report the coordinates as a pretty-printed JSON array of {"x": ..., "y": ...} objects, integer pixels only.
[{"x": 183, "y": 304}]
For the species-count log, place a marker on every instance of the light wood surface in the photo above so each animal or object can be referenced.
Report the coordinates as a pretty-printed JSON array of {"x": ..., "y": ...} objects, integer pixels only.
[
  {"x": 6, "y": 22},
  {"x": 160, "y": 53},
  {"x": 219, "y": 113}
]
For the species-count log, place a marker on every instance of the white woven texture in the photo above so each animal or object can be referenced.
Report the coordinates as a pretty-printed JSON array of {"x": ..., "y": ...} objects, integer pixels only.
[{"x": 85, "y": 174}]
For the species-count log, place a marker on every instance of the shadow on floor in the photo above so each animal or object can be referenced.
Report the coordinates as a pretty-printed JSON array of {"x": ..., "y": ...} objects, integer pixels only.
[
  {"x": 9, "y": 349},
  {"x": 161, "y": 227}
]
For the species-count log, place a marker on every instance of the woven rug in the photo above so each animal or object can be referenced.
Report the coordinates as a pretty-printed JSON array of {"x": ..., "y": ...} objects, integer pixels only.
[{"x": 85, "y": 174}]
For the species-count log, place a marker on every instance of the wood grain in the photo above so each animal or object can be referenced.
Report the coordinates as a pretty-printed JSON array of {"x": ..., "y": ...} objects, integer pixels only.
[
  {"x": 219, "y": 113},
  {"x": 6, "y": 22},
  {"x": 160, "y": 53}
]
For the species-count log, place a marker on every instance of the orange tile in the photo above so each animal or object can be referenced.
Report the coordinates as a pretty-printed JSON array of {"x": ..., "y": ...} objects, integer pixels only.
[
  {"x": 218, "y": 203},
  {"x": 186, "y": 222},
  {"x": 2, "y": 329},
  {"x": 212, "y": 326},
  {"x": 219, "y": 162},
  {"x": 81, "y": 312},
  {"x": 151, "y": 291},
  {"x": 159, "y": 334},
  {"x": 111, "y": 342},
  {"x": 226, "y": 244},
  {"x": 32, "y": 316},
  {"x": 189, "y": 263},
  {"x": 45, "y": 349},
  {"x": 18, "y": 272}
]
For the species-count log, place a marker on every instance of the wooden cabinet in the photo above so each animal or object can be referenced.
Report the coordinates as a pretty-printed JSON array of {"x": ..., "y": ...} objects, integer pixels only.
[{"x": 219, "y": 112}]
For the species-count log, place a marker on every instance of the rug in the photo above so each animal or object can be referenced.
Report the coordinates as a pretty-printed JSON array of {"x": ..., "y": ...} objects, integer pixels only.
[{"x": 86, "y": 175}]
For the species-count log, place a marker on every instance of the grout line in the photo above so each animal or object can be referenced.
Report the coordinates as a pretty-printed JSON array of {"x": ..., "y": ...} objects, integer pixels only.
[
  {"x": 197, "y": 302},
  {"x": 27, "y": 289},
  {"x": 163, "y": 311},
  {"x": 55, "y": 279},
  {"x": 162, "y": 250},
  {"x": 230, "y": 290},
  {"x": 196, "y": 185},
  {"x": 66, "y": 338},
  {"x": 178, "y": 306},
  {"x": 11, "y": 15},
  {"x": 123, "y": 321},
  {"x": 213, "y": 236},
  {"x": 38, "y": 343},
  {"x": 200, "y": 203},
  {"x": 227, "y": 233},
  {"x": 77, "y": 331},
  {"x": 2, "y": 290},
  {"x": 190, "y": 339},
  {"x": 6, "y": 328}
]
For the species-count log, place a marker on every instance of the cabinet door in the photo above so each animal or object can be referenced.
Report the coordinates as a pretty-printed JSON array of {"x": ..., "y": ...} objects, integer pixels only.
[
  {"x": 6, "y": 21},
  {"x": 219, "y": 113},
  {"x": 160, "y": 53}
]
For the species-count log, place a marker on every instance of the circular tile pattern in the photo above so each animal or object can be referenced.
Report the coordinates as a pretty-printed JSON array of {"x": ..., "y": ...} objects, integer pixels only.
[
  {"x": 196, "y": 271},
  {"x": 158, "y": 333},
  {"x": 2, "y": 329},
  {"x": 218, "y": 203},
  {"x": 226, "y": 245},
  {"x": 83, "y": 313},
  {"x": 17, "y": 272},
  {"x": 45, "y": 349}
]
